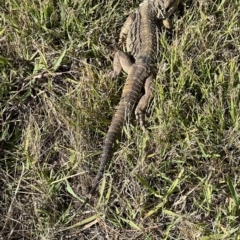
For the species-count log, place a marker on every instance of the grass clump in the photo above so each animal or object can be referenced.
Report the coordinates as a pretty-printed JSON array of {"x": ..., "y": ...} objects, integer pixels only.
[{"x": 178, "y": 180}]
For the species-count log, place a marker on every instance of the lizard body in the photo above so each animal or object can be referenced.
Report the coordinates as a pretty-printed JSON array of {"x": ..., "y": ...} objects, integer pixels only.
[{"x": 140, "y": 34}]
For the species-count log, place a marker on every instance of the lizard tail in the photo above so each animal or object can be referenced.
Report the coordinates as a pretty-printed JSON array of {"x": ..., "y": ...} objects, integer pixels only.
[
  {"x": 131, "y": 94},
  {"x": 114, "y": 129}
]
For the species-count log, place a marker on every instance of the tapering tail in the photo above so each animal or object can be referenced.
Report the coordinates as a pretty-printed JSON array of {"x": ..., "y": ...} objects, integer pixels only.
[{"x": 130, "y": 96}]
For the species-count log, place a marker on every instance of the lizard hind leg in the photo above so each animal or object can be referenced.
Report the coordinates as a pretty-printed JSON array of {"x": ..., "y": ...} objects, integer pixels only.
[
  {"x": 144, "y": 101},
  {"x": 121, "y": 61}
]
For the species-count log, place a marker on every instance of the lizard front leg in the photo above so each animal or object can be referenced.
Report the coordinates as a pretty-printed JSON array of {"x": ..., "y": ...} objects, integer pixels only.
[{"x": 144, "y": 101}]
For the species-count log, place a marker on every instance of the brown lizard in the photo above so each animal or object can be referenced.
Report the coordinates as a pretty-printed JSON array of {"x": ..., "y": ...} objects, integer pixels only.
[{"x": 140, "y": 32}]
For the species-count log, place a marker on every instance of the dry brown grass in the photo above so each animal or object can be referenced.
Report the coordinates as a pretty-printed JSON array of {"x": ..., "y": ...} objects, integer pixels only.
[{"x": 179, "y": 180}]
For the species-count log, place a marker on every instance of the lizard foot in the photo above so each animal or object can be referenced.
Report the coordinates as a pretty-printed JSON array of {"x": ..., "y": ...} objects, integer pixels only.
[{"x": 140, "y": 117}]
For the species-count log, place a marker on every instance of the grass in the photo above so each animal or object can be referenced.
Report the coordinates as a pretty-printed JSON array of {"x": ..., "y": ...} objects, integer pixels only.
[{"x": 178, "y": 180}]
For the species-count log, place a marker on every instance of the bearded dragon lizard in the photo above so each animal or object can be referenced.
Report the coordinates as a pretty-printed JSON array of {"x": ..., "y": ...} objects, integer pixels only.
[{"x": 139, "y": 34}]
